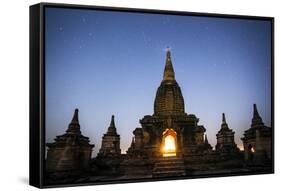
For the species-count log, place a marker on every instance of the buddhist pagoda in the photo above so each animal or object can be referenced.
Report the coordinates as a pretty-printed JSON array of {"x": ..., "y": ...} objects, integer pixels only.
[
  {"x": 70, "y": 151},
  {"x": 225, "y": 138},
  {"x": 257, "y": 140},
  {"x": 110, "y": 142}
]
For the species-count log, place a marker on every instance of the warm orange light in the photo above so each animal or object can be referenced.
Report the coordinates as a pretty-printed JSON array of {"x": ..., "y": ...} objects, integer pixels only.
[
  {"x": 169, "y": 148},
  {"x": 241, "y": 148},
  {"x": 169, "y": 144},
  {"x": 252, "y": 150}
]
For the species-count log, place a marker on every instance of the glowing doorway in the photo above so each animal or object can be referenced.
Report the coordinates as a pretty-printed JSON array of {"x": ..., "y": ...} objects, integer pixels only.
[{"x": 169, "y": 143}]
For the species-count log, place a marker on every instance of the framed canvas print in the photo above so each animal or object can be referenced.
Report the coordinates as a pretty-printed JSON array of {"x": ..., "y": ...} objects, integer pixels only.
[{"x": 127, "y": 95}]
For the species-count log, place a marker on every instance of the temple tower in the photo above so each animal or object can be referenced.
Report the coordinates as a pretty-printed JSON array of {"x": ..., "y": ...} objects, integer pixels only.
[
  {"x": 225, "y": 138},
  {"x": 70, "y": 151},
  {"x": 257, "y": 139},
  {"x": 207, "y": 148},
  {"x": 169, "y": 126},
  {"x": 169, "y": 99},
  {"x": 110, "y": 142}
]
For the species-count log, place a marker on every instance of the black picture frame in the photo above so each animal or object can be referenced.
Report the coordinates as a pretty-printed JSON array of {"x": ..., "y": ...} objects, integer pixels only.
[{"x": 37, "y": 89}]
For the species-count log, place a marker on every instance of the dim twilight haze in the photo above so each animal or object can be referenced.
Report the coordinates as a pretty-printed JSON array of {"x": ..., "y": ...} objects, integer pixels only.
[{"x": 155, "y": 90}]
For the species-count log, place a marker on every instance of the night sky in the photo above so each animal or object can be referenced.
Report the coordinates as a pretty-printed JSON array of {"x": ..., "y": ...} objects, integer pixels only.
[{"x": 108, "y": 63}]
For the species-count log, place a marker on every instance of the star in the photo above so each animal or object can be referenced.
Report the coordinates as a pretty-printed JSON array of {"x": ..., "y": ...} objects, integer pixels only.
[
  {"x": 84, "y": 20},
  {"x": 61, "y": 29}
]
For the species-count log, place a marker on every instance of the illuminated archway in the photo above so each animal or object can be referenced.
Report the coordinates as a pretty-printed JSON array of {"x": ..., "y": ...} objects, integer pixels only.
[{"x": 169, "y": 147}]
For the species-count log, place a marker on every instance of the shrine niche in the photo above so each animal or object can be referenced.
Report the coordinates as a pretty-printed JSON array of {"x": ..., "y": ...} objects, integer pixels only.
[{"x": 169, "y": 143}]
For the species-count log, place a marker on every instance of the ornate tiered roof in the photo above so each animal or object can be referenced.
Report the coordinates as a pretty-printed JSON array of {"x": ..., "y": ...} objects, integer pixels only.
[{"x": 169, "y": 99}]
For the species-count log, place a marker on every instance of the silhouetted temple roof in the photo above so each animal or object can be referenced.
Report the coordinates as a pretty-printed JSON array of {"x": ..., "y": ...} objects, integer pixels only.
[
  {"x": 74, "y": 126},
  {"x": 168, "y": 98},
  {"x": 112, "y": 128}
]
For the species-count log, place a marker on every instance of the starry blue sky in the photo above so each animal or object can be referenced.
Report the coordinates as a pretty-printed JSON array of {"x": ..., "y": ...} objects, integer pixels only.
[{"x": 108, "y": 63}]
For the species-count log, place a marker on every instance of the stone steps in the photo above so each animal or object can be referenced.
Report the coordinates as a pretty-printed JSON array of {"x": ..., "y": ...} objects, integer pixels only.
[
  {"x": 168, "y": 167},
  {"x": 170, "y": 162},
  {"x": 174, "y": 167}
]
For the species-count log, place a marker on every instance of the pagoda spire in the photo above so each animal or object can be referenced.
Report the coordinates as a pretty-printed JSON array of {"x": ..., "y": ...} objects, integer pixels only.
[
  {"x": 169, "y": 73},
  {"x": 74, "y": 126},
  {"x": 112, "y": 123},
  {"x": 256, "y": 120},
  {"x": 256, "y": 113},
  {"x": 111, "y": 129},
  {"x": 223, "y": 118},
  {"x": 75, "y": 117},
  {"x": 224, "y": 125}
]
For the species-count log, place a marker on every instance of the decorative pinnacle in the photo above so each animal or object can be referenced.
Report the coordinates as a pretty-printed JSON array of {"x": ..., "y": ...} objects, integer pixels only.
[
  {"x": 75, "y": 116},
  {"x": 224, "y": 125},
  {"x": 112, "y": 129},
  {"x": 256, "y": 120},
  {"x": 112, "y": 123},
  {"x": 169, "y": 73},
  {"x": 74, "y": 126},
  {"x": 256, "y": 113},
  {"x": 168, "y": 52},
  {"x": 223, "y": 118}
]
